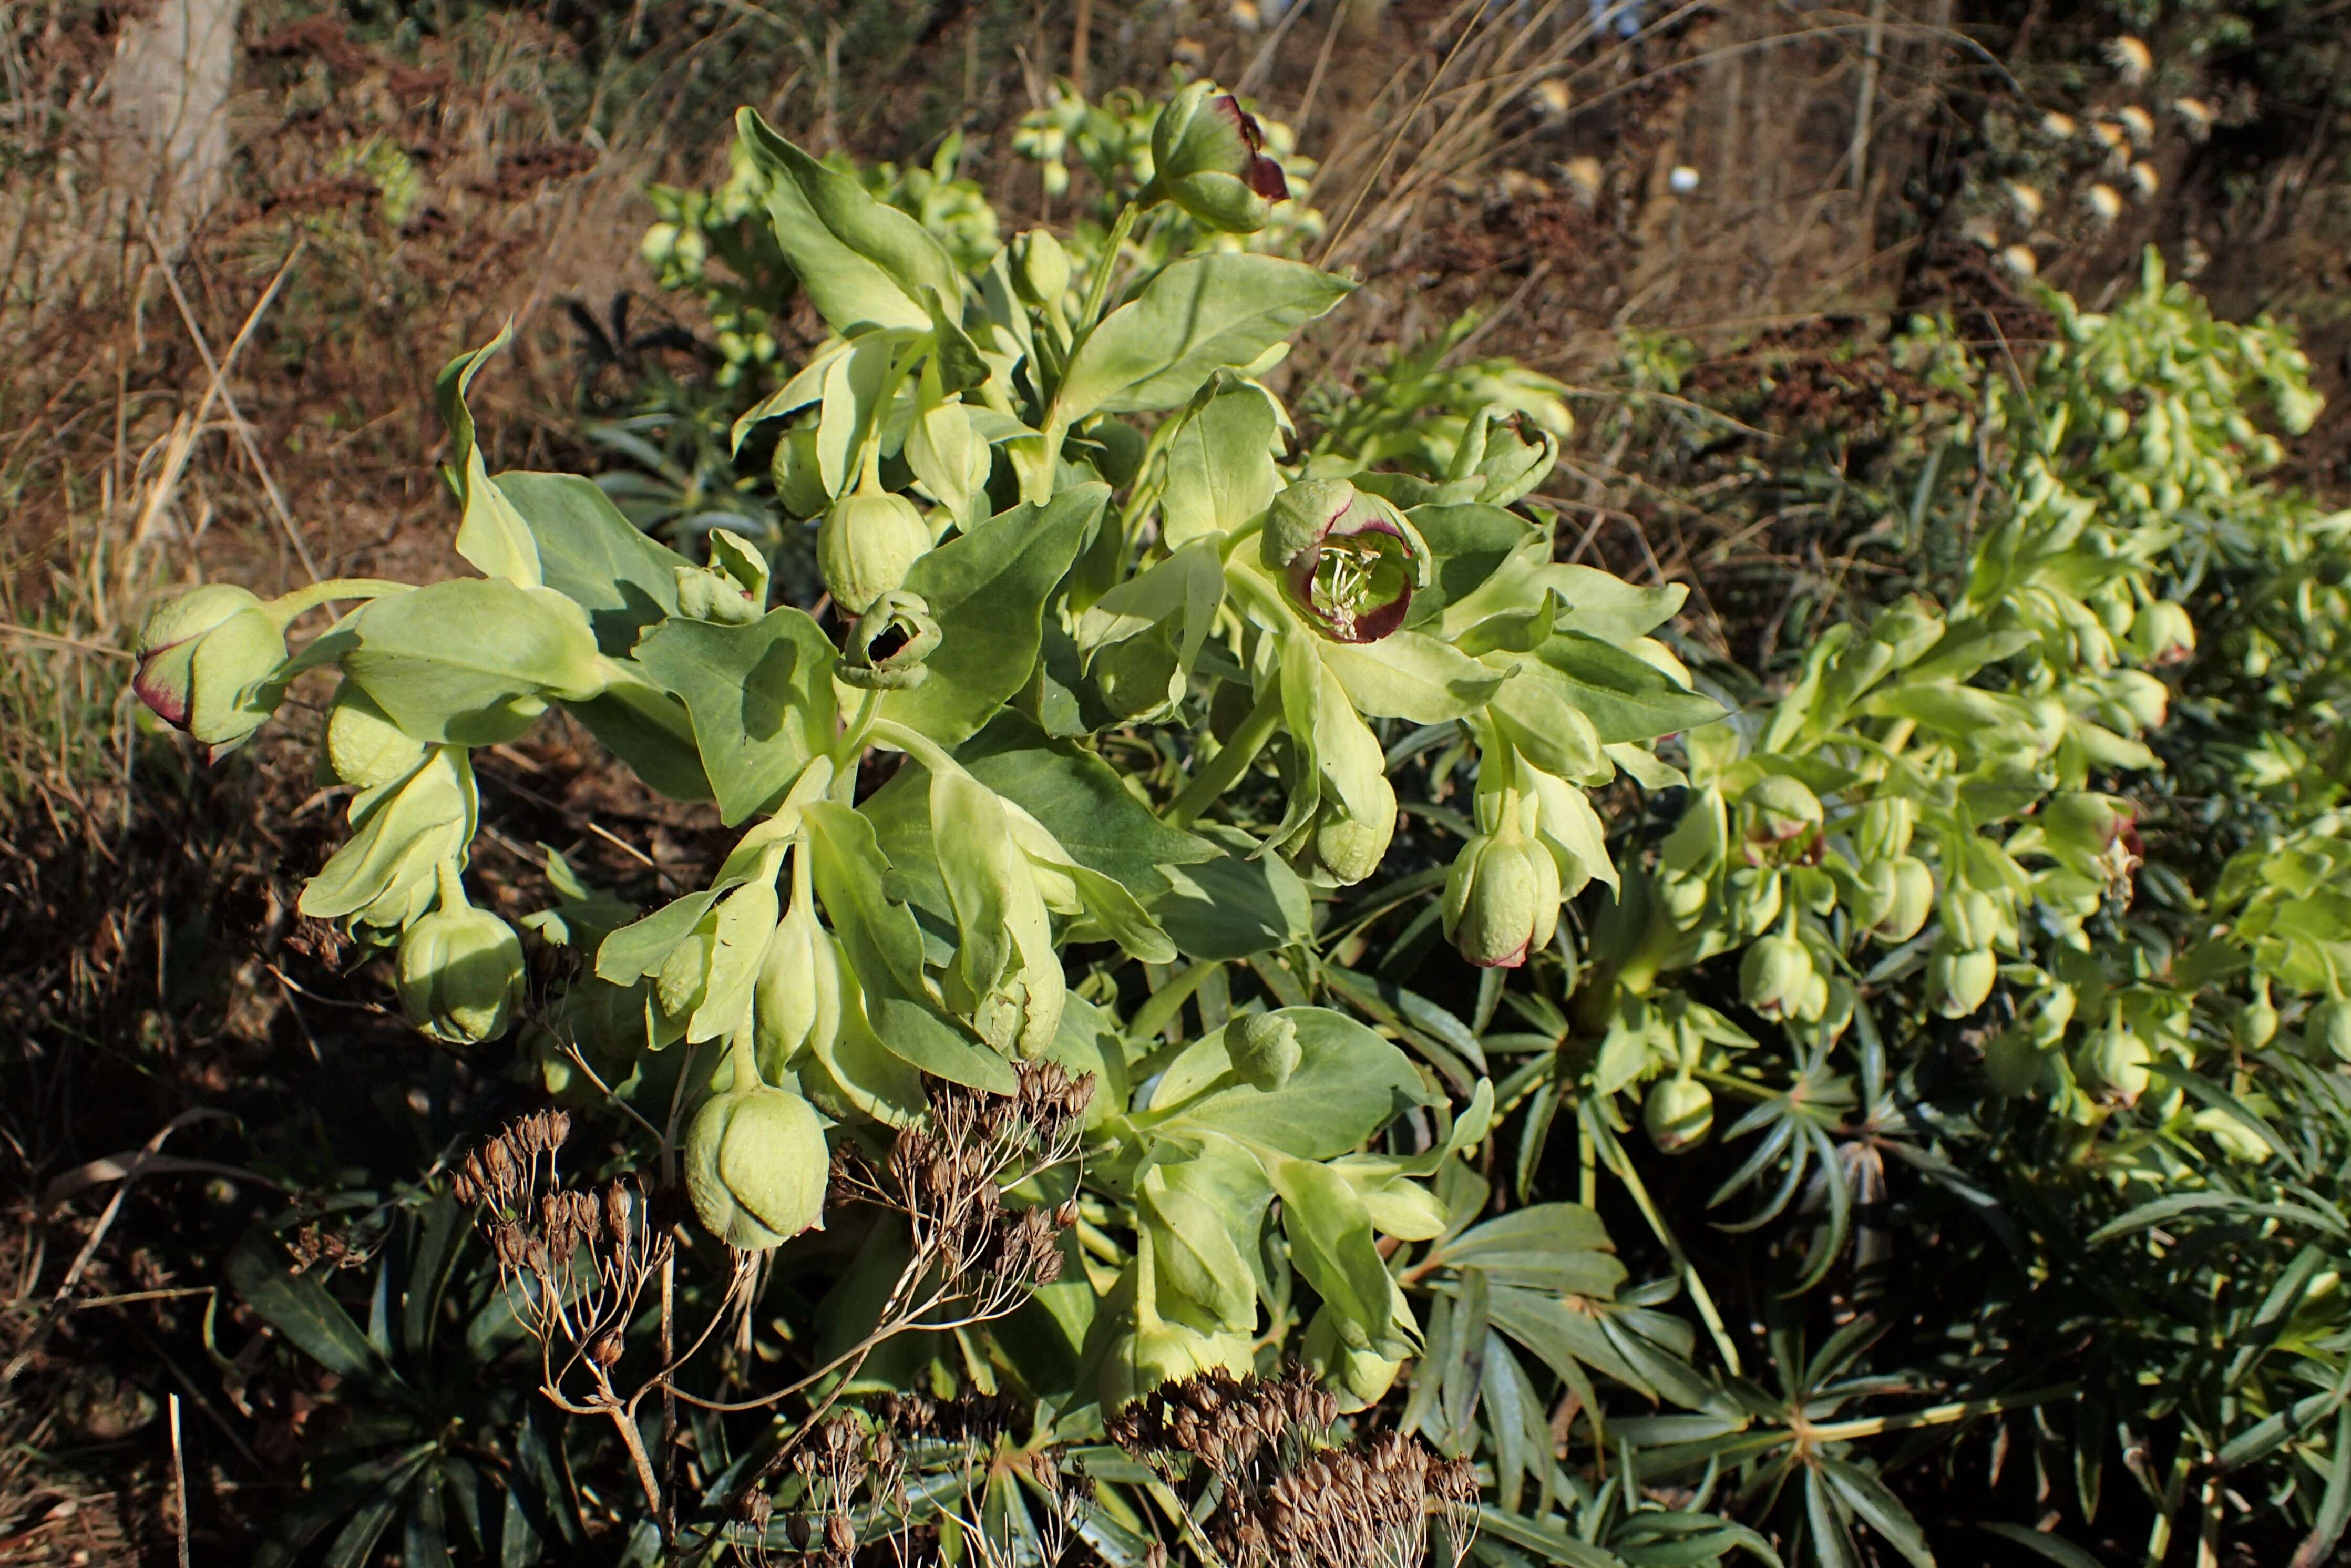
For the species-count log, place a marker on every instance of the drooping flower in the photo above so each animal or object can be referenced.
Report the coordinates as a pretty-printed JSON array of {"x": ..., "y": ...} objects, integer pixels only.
[{"x": 1207, "y": 157}]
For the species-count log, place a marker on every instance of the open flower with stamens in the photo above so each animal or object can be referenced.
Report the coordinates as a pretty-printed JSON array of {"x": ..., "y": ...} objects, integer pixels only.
[{"x": 1348, "y": 561}]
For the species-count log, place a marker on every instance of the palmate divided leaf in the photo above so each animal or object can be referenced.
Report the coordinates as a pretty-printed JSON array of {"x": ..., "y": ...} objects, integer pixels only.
[{"x": 1066, "y": 820}]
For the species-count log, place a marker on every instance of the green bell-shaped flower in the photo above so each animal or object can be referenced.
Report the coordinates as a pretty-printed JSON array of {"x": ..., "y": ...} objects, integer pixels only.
[
  {"x": 1040, "y": 269},
  {"x": 756, "y": 1165},
  {"x": 210, "y": 663},
  {"x": 1912, "y": 902},
  {"x": 461, "y": 973},
  {"x": 1502, "y": 897},
  {"x": 1678, "y": 1112},
  {"x": 2113, "y": 1064},
  {"x": 1362, "y": 1377},
  {"x": 364, "y": 748},
  {"x": 2256, "y": 1023},
  {"x": 1206, "y": 158},
  {"x": 1960, "y": 979},
  {"x": 1348, "y": 561},
  {"x": 1781, "y": 820},
  {"x": 867, "y": 543},
  {"x": 1778, "y": 979},
  {"x": 1264, "y": 1050}
]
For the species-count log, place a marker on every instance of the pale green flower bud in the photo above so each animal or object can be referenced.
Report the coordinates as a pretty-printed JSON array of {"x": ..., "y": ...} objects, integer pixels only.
[
  {"x": 1960, "y": 979},
  {"x": 1884, "y": 827},
  {"x": 209, "y": 663},
  {"x": 1875, "y": 886},
  {"x": 798, "y": 474},
  {"x": 1349, "y": 849},
  {"x": 796, "y": 1001},
  {"x": 1040, "y": 269},
  {"x": 1913, "y": 901},
  {"x": 888, "y": 648},
  {"x": 1139, "y": 676},
  {"x": 2164, "y": 633},
  {"x": 2112, "y": 1065},
  {"x": 756, "y": 1165},
  {"x": 1971, "y": 917},
  {"x": 732, "y": 590},
  {"x": 1778, "y": 979},
  {"x": 2326, "y": 1030},
  {"x": 1782, "y": 819},
  {"x": 1263, "y": 1048},
  {"x": 866, "y": 545},
  {"x": 364, "y": 748},
  {"x": 2143, "y": 699},
  {"x": 461, "y": 974},
  {"x": 1205, "y": 158},
  {"x": 2256, "y": 1023},
  {"x": 1678, "y": 1114},
  {"x": 1501, "y": 898}
]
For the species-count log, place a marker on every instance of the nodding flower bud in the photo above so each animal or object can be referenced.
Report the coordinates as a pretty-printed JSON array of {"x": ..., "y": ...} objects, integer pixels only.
[
  {"x": 2163, "y": 633},
  {"x": 887, "y": 646},
  {"x": 1959, "y": 979},
  {"x": 209, "y": 663},
  {"x": 1782, "y": 821},
  {"x": 1264, "y": 1048},
  {"x": 1501, "y": 898},
  {"x": 867, "y": 543},
  {"x": 1678, "y": 1114},
  {"x": 756, "y": 1165},
  {"x": 1337, "y": 848},
  {"x": 461, "y": 974},
  {"x": 364, "y": 748},
  {"x": 2256, "y": 1023},
  {"x": 1348, "y": 560},
  {"x": 2326, "y": 1030},
  {"x": 2095, "y": 835},
  {"x": 1778, "y": 979},
  {"x": 2112, "y": 1065},
  {"x": 1140, "y": 675},
  {"x": 1206, "y": 157},
  {"x": 1040, "y": 269},
  {"x": 1912, "y": 902}
]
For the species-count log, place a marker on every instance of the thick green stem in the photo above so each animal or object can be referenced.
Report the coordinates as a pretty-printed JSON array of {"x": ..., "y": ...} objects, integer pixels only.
[
  {"x": 1226, "y": 766},
  {"x": 1097, "y": 286},
  {"x": 286, "y": 607}
]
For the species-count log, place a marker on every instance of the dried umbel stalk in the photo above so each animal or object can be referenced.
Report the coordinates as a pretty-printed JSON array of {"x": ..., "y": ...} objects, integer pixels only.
[
  {"x": 1241, "y": 1429},
  {"x": 948, "y": 1179},
  {"x": 1288, "y": 1496}
]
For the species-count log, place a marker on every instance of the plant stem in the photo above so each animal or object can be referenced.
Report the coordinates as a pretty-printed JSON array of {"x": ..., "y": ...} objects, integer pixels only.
[
  {"x": 635, "y": 1444},
  {"x": 1218, "y": 774},
  {"x": 303, "y": 600},
  {"x": 1097, "y": 286}
]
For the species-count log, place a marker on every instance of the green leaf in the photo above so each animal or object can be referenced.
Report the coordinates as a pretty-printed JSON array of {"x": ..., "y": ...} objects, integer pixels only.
[
  {"x": 1195, "y": 1255},
  {"x": 300, "y": 1308},
  {"x": 1202, "y": 314},
  {"x": 987, "y": 590},
  {"x": 1878, "y": 1508},
  {"x": 472, "y": 661},
  {"x": 884, "y": 946},
  {"x": 1470, "y": 544},
  {"x": 1411, "y": 676},
  {"x": 492, "y": 536},
  {"x": 1331, "y": 1245},
  {"x": 1625, "y": 698},
  {"x": 1349, "y": 1083},
  {"x": 1239, "y": 904},
  {"x": 1595, "y": 602},
  {"x": 594, "y": 557},
  {"x": 760, "y": 699},
  {"x": 650, "y": 730},
  {"x": 862, "y": 263},
  {"x": 1083, "y": 801},
  {"x": 1553, "y": 1544},
  {"x": 1220, "y": 471},
  {"x": 2055, "y": 1548},
  {"x": 1556, "y": 1247}
]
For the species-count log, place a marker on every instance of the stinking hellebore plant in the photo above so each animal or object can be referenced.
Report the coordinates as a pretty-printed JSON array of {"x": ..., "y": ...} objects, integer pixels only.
[{"x": 1127, "y": 674}]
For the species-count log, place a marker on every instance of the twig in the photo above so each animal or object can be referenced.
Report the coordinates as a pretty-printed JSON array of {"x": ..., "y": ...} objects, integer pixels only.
[
  {"x": 244, "y": 430},
  {"x": 180, "y": 1483}
]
